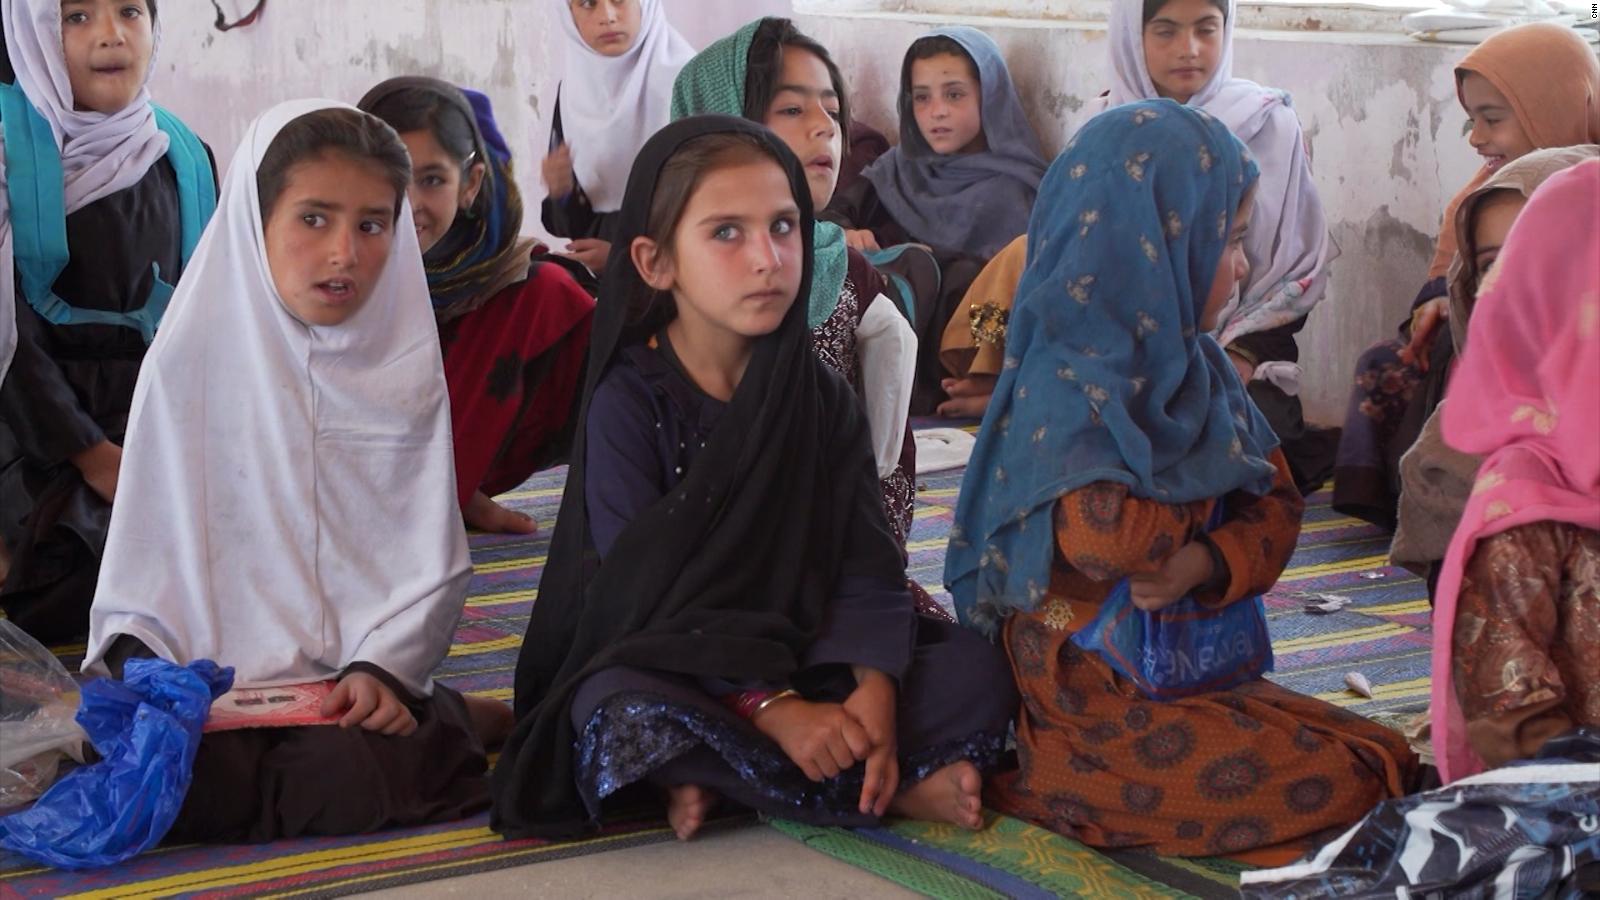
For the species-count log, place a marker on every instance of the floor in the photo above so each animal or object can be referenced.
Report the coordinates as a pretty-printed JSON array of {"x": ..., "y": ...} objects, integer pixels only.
[{"x": 749, "y": 861}]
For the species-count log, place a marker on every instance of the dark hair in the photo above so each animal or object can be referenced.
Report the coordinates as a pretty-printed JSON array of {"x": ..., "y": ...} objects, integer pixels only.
[
  {"x": 1153, "y": 7},
  {"x": 937, "y": 45},
  {"x": 764, "y": 69},
  {"x": 421, "y": 109},
  {"x": 351, "y": 132},
  {"x": 674, "y": 187}
]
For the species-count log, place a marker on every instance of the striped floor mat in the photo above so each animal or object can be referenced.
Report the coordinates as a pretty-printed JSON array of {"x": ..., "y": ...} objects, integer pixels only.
[{"x": 1383, "y": 633}]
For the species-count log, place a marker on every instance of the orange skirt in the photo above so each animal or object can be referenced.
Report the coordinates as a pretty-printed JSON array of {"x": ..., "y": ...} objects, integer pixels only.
[{"x": 1257, "y": 772}]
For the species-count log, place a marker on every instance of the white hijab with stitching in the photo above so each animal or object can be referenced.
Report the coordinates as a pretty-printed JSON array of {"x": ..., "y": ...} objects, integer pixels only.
[
  {"x": 287, "y": 502},
  {"x": 1288, "y": 244},
  {"x": 611, "y": 105}
]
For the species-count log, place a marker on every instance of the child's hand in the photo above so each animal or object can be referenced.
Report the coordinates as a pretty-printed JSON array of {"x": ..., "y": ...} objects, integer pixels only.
[
  {"x": 1423, "y": 324},
  {"x": 592, "y": 252},
  {"x": 821, "y": 738},
  {"x": 368, "y": 702},
  {"x": 100, "y": 466},
  {"x": 872, "y": 704},
  {"x": 1183, "y": 571},
  {"x": 861, "y": 240},
  {"x": 969, "y": 397},
  {"x": 557, "y": 170}
]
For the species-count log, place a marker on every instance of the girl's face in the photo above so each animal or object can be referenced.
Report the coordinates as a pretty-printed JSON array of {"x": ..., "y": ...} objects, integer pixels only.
[
  {"x": 947, "y": 103},
  {"x": 737, "y": 258},
  {"x": 1491, "y": 222},
  {"x": 1496, "y": 134},
  {"x": 607, "y": 26},
  {"x": 1182, "y": 45},
  {"x": 440, "y": 188},
  {"x": 107, "y": 44},
  {"x": 805, "y": 113},
  {"x": 1232, "y": 270},
  {"x": 328, "y": 236}
]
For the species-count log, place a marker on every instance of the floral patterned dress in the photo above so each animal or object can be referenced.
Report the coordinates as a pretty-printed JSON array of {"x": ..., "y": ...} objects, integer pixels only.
[{"x": 1256, "y": 768}]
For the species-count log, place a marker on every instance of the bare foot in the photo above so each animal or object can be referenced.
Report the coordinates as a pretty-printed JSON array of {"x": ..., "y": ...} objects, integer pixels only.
[
  {"x": 484, "y": 514},
  {"x": 687, "y": 808},
  {"x": 492, "y": 720},
  {"x": 951, "y": 795}
]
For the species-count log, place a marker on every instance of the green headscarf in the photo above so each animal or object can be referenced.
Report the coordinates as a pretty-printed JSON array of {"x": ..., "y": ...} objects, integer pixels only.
[{"x": 713, "y": 82}]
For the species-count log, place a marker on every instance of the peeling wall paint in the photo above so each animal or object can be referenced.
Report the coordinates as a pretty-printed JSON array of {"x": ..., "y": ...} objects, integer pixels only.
[{"x": 1380, "y": 113}]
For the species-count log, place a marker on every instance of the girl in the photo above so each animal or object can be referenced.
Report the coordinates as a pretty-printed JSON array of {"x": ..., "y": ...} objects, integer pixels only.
[
  {"x": 514, "y": 330},
  {"x": 769, "y": 72},
  {"x": 961, "y": 181},
  {"x": 1518, "y": 616},
  {"x": 288, "y": 509},
  {"x": 621, "y": 58},
  {"x": 108, "y": 194},
  {"x": 968, "y": 165},
  {"x": 725, "y": 611},
  {"x": 1135, "y": 426},
  {"x": 1436, "y": 480},
  {"x": 1526, "y": 88}
]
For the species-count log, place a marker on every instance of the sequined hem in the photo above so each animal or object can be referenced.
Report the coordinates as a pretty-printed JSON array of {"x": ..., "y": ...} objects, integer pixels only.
[{"x": 632, "y": 733}]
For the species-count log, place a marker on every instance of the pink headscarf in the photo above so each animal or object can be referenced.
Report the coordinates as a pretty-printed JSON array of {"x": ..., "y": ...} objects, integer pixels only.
[{"x": 1527, "y": 384}]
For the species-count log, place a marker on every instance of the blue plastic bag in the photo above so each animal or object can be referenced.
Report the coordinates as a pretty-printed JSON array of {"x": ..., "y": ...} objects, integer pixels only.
[
  {"x": 1183, "y": 650},
  {"x": 146, "y": 729}
]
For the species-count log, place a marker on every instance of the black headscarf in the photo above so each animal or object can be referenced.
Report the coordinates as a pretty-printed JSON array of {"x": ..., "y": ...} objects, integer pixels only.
[{"x": 730, "y": 574}]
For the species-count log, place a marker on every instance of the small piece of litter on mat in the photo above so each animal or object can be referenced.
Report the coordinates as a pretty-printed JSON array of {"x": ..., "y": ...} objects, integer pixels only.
[
  {"x": 1372, "y": 576},
  {"x": 1358, "y": 682},
  {"x": 1322, "y": 604}
]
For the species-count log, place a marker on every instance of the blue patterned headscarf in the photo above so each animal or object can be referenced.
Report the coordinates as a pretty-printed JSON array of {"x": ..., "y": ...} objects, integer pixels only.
[{"x": 1106, "y": 377}]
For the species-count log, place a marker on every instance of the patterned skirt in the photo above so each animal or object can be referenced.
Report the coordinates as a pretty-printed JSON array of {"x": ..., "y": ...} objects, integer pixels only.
[{"x": 1257, "y": 768}]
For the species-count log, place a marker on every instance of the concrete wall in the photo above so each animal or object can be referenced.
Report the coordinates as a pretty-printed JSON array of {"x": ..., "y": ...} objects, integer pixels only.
[
  {"x": 1380, "y": 112},
  {"x": 510, "y": 49}
]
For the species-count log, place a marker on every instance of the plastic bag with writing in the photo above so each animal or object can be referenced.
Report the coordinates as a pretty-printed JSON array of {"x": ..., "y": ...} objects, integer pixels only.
[
  {"x": 1183, "y": 650},
  {"x": 146, "y": 729}
]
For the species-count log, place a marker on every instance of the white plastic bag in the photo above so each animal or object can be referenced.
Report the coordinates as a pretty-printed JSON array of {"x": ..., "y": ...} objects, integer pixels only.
[{"x": 38, "y": 708}]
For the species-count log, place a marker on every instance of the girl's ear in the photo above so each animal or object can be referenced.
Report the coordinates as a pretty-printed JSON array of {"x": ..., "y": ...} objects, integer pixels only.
[
  {"x": 472, "y": 184},
  {"x": 654, "y": 265}
]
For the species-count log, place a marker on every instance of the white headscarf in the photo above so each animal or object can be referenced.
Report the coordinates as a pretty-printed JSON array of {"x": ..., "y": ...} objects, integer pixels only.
[
  {"x": 101, "y": 154},
  {"x": 1288, "y": 244},
  {"x": 611, "y": 105},
  {"x": 287, "y": 503}
]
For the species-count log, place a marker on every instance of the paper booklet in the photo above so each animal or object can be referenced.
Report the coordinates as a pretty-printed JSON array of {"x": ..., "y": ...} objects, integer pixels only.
[{"x": 292, "y": 705}]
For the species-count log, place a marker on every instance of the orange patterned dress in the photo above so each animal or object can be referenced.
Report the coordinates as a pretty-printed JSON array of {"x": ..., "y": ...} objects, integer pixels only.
[{"x": 1257, "y": 771}]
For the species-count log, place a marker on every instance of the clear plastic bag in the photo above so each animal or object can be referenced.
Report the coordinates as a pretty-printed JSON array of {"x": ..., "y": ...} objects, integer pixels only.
[{"x": 38, "y": 703}]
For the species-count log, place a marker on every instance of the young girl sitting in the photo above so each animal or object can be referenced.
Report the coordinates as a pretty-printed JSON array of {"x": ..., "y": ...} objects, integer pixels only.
[
  {"x": 289, "y": 509},
  {"x": 515, "y": 331},
  {"x": 1435, "y": 480},
  {"x": 962, "y": 180},
  {"x": 1526, "y": 88},
  {"x": 108, "y": 195},
  {"x": 1117, "y": 426},
  {"x": 621, "y": 57},
  {"x": 724, "y": 613},
  {"x": 1518, "y": 617},
  {"x": 770, "y": 73}
]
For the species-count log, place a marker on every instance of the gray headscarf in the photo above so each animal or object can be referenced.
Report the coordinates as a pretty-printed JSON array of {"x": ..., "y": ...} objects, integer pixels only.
[{"x": 972, "y": 203}]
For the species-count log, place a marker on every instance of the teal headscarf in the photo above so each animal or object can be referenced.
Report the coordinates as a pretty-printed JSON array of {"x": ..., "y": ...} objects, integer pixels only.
[
  {"x": 1106, "y": 376},
  {"x": 713, "y": 82}
]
